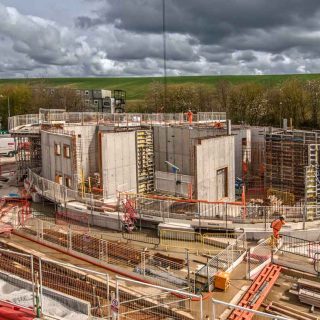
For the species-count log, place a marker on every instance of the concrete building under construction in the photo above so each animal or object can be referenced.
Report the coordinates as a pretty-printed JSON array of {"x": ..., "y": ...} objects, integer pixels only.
[{"x": 170, "y": 158}]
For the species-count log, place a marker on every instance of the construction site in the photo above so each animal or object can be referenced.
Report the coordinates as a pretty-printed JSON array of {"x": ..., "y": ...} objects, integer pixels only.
[{"x": 158, "y": 216}]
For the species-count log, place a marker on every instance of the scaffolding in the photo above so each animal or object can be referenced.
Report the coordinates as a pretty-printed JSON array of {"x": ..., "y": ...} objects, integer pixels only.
[
  {"x": 288, "y": 154},
  {"x": 28, "y": 153},
  {"x": 145, "y": 163}
]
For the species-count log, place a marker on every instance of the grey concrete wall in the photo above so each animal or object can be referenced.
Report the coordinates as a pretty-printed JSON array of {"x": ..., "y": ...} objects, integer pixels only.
[
  {"x": 176, "y": 145},
  {"x": 257, "y": 134},
  {"x": 167, "y": 182},
  {"x": 87, "y": 154},
  {"x": 119, "y": 164},
  {"x": 53, "y": 164},
  {"x": 211, "y": 155},
  {"x": 239, "y": 134}
]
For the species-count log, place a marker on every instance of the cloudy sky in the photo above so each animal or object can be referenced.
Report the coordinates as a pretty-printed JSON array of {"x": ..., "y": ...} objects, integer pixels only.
[{"x": 56, "y": 38}]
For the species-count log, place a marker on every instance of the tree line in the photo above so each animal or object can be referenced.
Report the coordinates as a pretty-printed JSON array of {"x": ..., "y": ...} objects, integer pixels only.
[{"x": 249, "y": 103}]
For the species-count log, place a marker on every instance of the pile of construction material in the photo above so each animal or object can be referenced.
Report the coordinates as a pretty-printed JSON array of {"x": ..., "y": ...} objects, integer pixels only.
[
  {"x": 308, "y": 292},
  {"x": 282, "y": 310}
]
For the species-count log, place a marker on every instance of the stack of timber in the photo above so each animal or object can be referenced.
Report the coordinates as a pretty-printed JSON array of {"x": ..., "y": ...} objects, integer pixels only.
[
  {"x": 292, "y": 313},
  {"x": 308, "y": 292}
]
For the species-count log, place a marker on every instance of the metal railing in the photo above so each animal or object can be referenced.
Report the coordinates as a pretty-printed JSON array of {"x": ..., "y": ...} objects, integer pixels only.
[
  {"x": 160, "y": 303},
  {"x": 226, "y": 260},
  {"x": 61, "y": 288},
  {"x": 258, "y": 257},
  {"x": 300, "y": 247},
  {"x": 209, "y": 243},
  {"x": 221, "y": 309},
  {"x": 47, "y": 116},
  {"x": 113, "y": 254}
]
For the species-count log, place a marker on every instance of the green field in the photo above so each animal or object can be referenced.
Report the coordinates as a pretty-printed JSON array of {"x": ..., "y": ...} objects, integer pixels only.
[{"x": 137, "y": 87}]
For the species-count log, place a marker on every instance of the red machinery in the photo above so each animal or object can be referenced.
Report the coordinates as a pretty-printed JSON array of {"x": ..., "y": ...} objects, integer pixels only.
[{"x": 130, "y": 215}]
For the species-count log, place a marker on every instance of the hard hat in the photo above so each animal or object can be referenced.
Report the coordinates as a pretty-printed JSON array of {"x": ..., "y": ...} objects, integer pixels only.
[{"x": 282, "y": 217}]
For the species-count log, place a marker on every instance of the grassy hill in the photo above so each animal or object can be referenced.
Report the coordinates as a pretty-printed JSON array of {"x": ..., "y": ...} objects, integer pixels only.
[{"x": 136, "y": 87}]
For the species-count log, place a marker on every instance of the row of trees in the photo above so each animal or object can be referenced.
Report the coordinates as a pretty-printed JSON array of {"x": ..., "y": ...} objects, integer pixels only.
[
  {"x": 24, "y": 98},
  {"x": 250, "y": 103}
]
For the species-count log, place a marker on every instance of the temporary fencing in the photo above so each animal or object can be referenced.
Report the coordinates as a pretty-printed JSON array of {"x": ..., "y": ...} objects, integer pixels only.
[
  {"x": 209, "y": 243},
  {"x": 258, "y": 257},
  {"x": 89, "y": 289},
  {"x": 222, "y": 310},
  {"x": 152, "y": 267},
  {"x": 299, "y": 246},
  {"x": 142, "y": 237},
  {"x": 93, "y": 294},
  {"x": 200, "y": 214},
  {"x": 299, "y": 253},
  {"x": 17, "y": 268},
  {"x": 203, "y": 214},
  {"x": 227, "y": 260},
  {"x": 155, "y": 302},
  {"x": 47, "y": 116}
]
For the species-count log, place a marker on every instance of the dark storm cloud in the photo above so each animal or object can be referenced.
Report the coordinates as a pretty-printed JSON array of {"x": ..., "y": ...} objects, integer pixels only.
[
  {"x": 124, "y": 37},
  {"x": 211, "y": 21}
]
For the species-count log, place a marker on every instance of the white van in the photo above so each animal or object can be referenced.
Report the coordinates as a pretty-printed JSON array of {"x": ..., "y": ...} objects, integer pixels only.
[{"x": 7, "y": 146}]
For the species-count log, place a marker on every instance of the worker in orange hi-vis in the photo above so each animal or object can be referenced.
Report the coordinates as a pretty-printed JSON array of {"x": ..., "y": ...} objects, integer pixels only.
[
  {"x": 190, "y": 116},
  {"x": 276, "y": 226}
]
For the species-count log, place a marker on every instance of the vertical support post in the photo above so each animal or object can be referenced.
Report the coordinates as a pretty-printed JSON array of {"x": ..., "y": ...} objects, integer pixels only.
[
  {"x": 41, "y": 287},
  {"x": 226, "y": 205},
  {"x": 118, "y": 298},
  {"x": 188, "y": 268},
  {"x": 108, "y": 288},
  {"x": 32, "y": 280},
  {"x": 213, "y": 311},
  {"x": 70, "y": 239},
  {"x": 208, "y": 275},
  {"x": 143, "y": 260},
  {"x": 201, "y": 308},
  {"x": 106, "y": 252},
  {"x": 114, "y": 316},
  {"x": 304, "y": 216},
  {"x": 248, "y": 264}
]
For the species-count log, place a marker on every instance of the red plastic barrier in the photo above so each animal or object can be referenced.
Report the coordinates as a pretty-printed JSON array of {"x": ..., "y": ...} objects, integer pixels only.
[{"x": 10, "y": 311}]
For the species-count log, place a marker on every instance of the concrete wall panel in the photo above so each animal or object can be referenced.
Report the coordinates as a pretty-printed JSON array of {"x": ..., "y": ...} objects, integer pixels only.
[
  {"x": 212, "y": 155},
  {"x": 118, "y": 162}
]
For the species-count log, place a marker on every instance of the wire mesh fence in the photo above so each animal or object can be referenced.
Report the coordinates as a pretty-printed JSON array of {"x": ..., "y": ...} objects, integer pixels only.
[
  {"x": 17, "y": 269},
  {"x": 258, "y": 257},
  {"x": 64, "y": 291},
  {"x": 155, "y": 302},
  {"x": 227, "y": 260},
  {"x": 152, "y": 266},
  {"x": 89, "y": 289},
  {"x": 207, "y": 243}
]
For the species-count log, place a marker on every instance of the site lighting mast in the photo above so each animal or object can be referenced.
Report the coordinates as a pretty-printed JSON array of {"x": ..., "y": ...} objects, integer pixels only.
[{"x": 164, "y": 54}]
